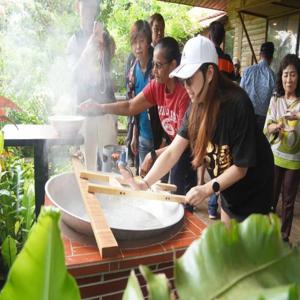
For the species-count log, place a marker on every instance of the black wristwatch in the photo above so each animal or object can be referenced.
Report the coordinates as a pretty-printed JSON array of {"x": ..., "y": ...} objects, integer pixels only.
[{"x": 215, "y": 186}]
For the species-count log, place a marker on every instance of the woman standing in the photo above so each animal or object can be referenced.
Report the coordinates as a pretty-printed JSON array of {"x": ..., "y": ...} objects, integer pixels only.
[
  {"x": 145, "y": 131},
  {"x": 283, "y": 130},
  {"x": 221, "y": 129},
  {"x": 169, "y": 96}
]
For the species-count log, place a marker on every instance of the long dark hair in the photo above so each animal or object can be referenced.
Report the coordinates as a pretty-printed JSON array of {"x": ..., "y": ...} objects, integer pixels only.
[
  {"x": 203, "y": 116},
  {"x": 170, "y": 48},
  {"x": 289, "y": 59}
]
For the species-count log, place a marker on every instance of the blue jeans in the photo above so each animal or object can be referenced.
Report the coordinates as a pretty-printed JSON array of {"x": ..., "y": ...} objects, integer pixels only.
[
  {"x": 145, "y": 146},
  {"x": 213, "y": 205}
]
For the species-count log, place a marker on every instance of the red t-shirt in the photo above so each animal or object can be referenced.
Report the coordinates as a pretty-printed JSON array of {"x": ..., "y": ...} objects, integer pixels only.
[{"x": 171, "y": 106}]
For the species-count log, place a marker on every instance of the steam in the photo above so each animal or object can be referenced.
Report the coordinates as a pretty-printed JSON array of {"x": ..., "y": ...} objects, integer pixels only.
[{"x": 33, "y": 50}]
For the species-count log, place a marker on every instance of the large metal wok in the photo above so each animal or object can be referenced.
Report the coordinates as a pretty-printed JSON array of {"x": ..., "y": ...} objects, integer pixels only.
[{"x": 129, "y": 218}]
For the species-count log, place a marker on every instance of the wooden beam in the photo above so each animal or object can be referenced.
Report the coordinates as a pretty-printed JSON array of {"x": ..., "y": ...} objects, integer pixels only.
[
  {"x": 248, "y": 38},
  {"x": 117, "y": 191},
  {"x": 105, "y": 239}
]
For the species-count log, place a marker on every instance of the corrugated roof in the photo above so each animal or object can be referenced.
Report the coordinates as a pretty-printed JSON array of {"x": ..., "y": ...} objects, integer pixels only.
[{"x": 213, "y": 4}]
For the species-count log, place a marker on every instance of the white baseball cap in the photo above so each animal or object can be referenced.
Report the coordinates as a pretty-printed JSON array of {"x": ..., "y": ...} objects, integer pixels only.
[{"x": 197, "y": 51}]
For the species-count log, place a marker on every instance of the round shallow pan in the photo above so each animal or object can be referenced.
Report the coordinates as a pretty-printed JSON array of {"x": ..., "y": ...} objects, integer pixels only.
[{"x": 129, "y": 218}]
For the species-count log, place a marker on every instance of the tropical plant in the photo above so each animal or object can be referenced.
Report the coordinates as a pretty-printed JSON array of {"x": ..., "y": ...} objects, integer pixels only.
[
  {"x": 245, "y": 261},
  {"x": 16, "y": 198},
  {"x": 39, "y": 271},
  {"x": 17, "y": 202}
]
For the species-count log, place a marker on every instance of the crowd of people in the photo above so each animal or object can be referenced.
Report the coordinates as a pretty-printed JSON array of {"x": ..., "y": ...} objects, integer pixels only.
[{"x": 196, "y": 111}]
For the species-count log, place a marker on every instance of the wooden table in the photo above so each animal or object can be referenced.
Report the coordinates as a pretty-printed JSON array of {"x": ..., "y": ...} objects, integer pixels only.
[{"x": 41, "y": 137}]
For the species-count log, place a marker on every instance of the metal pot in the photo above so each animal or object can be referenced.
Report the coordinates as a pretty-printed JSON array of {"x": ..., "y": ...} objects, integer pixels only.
[{"x": 129, "y": 218}]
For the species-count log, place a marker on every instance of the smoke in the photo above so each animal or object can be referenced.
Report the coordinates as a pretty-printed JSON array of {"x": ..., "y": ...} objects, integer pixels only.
[{"x": 34, "y": 65}]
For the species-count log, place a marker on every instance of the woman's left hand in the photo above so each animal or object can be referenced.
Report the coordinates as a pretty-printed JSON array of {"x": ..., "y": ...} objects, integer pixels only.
[{"x": 196, "y": 195}]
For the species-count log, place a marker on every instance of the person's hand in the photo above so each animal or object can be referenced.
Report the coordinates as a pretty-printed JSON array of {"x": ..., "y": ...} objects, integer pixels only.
[
  {"x": 91, "y": 108},
  {"x": 197, "y": 195},
  {"x": 134, "y": 145},
  {"x": 275, "y": 127},
  {"x": 146, "y": 165},
  {"x": 129, "y": 179},
  {"x": 292, "y": 115}
]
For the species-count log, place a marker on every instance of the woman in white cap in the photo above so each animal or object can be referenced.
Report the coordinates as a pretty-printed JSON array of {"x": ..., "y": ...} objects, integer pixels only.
[{"x": 221, "y": 130}]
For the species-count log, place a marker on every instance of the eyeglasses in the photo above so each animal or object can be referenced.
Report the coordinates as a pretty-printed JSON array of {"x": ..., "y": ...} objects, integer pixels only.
[{"x": 158, "y": 66}]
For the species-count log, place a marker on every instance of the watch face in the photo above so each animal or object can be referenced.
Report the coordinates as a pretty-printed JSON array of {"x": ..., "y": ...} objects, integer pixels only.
[{"x": 216, "y": 187}]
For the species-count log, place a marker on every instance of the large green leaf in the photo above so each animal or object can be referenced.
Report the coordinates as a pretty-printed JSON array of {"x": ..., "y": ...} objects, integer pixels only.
[
  {"x": 229, "y": 263},
  {"x": 39, "y": 272}
]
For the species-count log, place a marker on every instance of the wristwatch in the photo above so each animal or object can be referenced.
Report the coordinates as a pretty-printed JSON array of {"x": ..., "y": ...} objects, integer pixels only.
[{"x": 215, "y": 186}]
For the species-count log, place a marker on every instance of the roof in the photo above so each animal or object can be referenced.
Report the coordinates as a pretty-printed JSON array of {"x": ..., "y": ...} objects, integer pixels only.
[{"x": 213, "y": 4}]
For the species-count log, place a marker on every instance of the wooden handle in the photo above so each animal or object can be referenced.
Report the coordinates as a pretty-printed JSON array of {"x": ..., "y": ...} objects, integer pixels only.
[
  {"x": 96, "y": 188},
  {"x": 107, "y": 177},
  {"x": 105, "y": 239}
]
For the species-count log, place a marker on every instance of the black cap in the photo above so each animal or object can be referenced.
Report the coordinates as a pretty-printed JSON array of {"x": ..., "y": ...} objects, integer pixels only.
[{"x": 267, "y": 49}]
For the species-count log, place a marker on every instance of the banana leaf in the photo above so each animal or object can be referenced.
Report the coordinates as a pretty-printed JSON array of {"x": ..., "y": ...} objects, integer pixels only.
[
  {"x": 39, "y": 271},
  {"x": 239, "y": 262}
]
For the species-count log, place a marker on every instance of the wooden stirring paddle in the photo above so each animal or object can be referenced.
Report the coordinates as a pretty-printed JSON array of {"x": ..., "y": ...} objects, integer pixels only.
[{"x": 105, "y": 239}]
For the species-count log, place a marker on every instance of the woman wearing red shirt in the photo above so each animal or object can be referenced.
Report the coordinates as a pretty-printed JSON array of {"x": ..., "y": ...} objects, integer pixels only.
[{"x": 172, "y": 101}]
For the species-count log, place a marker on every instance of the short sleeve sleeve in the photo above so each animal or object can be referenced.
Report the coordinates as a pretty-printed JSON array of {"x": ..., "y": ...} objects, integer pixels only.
[
  {"x": 243, "y": 136},
  {"x": 183, "y": 129}
]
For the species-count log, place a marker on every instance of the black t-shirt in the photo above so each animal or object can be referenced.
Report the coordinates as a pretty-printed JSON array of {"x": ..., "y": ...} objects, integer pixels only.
[{"x": 238, "y": 141}]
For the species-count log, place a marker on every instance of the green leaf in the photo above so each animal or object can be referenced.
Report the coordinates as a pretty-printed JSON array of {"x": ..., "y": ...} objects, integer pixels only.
[
  {"x": 133, "y": 290},
  {"x": 39, "y": 272},
  {"x": 1, "y": 142},
  {"x": 228, "y": 263},
  {"x": 158, "y": 285},
  {"x": 28, "y": 203},
  {"x": 9, "y": 251}
]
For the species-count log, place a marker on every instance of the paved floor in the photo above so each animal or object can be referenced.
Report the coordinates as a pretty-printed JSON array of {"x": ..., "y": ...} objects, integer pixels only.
[{"x": 295, "y": 234}]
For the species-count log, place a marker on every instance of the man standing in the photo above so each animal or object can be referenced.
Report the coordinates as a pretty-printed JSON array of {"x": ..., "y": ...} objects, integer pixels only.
[
  {"x": 90, "y": 51},
  {"x": 259, "y": 81},
  {"x": 157, "y": 24},
  {"x": 216, "y": 35}
]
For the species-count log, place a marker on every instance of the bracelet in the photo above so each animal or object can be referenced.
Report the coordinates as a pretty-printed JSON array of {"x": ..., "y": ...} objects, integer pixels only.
[{"x": 147, "y": 184}]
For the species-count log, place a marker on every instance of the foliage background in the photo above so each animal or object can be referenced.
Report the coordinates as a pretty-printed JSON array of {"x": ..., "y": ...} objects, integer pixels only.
[{"x": 34, "y": 35}]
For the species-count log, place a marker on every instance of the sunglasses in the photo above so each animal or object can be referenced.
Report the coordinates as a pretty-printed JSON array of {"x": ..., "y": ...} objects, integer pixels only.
[{"x": 158, "y": 66}]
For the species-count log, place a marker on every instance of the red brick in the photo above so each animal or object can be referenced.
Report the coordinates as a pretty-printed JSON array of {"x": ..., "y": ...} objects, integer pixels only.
[{"x": 103, "y": 288}]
